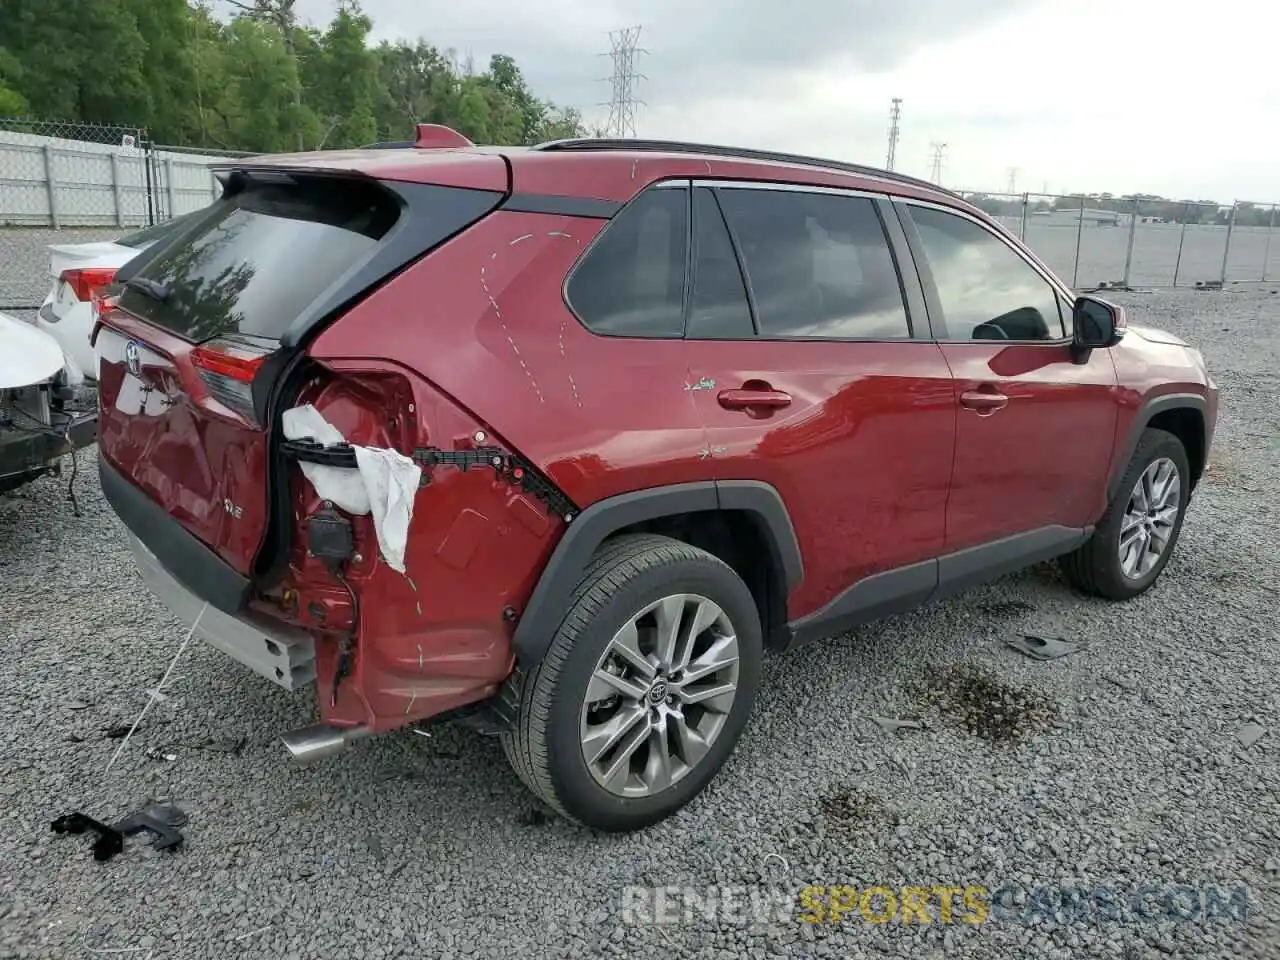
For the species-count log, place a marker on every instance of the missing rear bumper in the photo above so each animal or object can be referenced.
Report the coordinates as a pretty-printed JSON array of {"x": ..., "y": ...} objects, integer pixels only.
[{"x": 282, "y": 655}]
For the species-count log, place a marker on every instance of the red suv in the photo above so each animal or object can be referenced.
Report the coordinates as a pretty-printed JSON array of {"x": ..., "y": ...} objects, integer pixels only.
[{"x": 562, "y": 439}]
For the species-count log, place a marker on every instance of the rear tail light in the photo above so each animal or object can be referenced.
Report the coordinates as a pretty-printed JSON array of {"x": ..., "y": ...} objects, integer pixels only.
[
  {"x": 90, "y": 283},
  {"x": 101, "y": 307},
  {"x": 227, "y": 368}
]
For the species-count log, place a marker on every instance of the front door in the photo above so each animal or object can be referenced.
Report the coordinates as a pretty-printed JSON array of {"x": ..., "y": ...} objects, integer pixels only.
[
  {"x": 808, "y": 377},
  {"x": 1035, "y": 429}
]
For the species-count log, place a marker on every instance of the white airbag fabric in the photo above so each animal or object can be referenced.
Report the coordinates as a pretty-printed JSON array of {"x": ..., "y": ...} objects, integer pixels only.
[{"x": 384, "y": 482}]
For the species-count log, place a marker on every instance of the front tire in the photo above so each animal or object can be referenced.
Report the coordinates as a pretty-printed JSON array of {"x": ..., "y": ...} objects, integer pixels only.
[
  {"x": 645, "y": 689},
  {"x": 1133, "y": 543}
]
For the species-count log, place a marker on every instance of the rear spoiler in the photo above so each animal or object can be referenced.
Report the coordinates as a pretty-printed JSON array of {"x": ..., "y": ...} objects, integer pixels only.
[{"x": 430, "y": 136}]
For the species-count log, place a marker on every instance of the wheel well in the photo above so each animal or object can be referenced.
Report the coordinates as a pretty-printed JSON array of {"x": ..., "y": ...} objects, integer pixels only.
[
  {"x": 1187, "y": 424},
  {"x": 740, "y": 539}
]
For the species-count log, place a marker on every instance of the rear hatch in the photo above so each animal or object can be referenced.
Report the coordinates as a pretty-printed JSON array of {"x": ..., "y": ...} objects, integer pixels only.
[{"x": 205, "y": 332}]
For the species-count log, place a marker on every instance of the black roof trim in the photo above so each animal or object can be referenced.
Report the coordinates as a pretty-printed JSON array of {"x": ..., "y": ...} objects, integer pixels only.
[{"x": 739, "y": 153}]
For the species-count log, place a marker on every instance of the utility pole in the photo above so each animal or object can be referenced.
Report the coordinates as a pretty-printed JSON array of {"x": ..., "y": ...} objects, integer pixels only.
[
  {"x": 1013, "y": 181},
  {"x": 895, "y": 114},
  {"x": 939, "y": 151},
  {"x": 622, "y": 104}
]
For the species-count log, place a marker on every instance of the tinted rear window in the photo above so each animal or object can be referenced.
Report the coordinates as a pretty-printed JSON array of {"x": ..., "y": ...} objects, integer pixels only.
[{"x": 258, "y": 258}]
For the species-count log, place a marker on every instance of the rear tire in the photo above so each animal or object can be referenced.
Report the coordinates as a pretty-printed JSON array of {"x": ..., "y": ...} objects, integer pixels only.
[
  {"x": 615, "y": 728},
  {"x": 1144, "y": 514}
]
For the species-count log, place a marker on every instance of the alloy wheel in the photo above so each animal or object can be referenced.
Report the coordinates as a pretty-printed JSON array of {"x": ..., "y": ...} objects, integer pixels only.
[
  {"x": 1150, "y": 518},
  {"x": 660, "y": 695}
]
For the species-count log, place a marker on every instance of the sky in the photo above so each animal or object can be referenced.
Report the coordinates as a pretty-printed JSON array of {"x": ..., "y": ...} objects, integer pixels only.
[{"x": 1180, "y": 100}]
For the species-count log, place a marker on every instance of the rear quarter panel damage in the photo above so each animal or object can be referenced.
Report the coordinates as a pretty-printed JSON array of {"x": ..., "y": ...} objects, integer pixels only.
[{"x": 436, "y": 637}]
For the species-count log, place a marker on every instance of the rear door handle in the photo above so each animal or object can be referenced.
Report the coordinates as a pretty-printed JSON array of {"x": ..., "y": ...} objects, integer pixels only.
[
  {"x": 747, "y": 399},
  {"x": 983, "y": 401}
]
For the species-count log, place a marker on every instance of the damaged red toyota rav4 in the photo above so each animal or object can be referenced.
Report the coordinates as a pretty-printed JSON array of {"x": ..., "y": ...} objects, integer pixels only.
[{"x": 561, "y": 440}]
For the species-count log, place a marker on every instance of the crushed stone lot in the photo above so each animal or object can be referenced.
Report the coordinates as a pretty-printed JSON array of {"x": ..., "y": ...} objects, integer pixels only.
[{"x": 1118, "y": 767}]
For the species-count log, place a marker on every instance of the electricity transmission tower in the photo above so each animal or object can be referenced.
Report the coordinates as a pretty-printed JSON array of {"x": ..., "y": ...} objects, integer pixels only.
[
  {"x": 622, "y": 105},
  {"x": 939, "y": 152},
  {"x": 895, "y": 114},
  {"x": 1013, "y": 180}
]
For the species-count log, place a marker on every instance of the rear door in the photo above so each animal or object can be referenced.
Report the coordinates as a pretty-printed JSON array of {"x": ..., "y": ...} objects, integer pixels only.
[
  {"x": 1035, "y": 428},
  {"x": 809, "y": 377},
  {"x": 198, "y": 328}
]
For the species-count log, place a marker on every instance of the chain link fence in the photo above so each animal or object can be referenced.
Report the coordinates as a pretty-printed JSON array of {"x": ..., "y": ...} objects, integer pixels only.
[
  {"x": 69, "y": 183},
  {"x": 1095, "y": 243}
]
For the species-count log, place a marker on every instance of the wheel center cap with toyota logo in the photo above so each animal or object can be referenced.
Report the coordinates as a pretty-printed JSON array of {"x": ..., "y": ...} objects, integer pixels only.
[
  {"x": 658, "y": 692},
  {"x": 133, "y": 358}
]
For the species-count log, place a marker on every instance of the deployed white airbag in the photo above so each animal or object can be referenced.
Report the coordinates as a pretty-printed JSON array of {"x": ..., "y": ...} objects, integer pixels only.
[{"x": 384, "y": 482}]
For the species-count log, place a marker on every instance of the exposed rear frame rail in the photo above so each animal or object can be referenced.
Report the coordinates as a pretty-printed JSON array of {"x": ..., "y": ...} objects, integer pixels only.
[{"x": 508, "y": 467}]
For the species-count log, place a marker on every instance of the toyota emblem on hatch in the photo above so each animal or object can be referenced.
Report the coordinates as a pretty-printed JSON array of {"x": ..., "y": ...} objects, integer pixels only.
[{"x": 133, "y": 358}]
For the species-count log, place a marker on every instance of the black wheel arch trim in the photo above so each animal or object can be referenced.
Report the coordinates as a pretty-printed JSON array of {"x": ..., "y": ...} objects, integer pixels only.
[
  {"x": 1147, "y": 412},
  {"x": 546, "y": 607}
]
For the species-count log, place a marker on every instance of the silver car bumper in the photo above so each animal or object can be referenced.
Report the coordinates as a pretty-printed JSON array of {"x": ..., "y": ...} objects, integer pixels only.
[{"x": 285, "y": 656}]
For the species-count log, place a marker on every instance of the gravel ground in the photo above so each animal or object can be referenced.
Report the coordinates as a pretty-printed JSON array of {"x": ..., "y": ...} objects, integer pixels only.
[{"x": 1117, "y": 766}]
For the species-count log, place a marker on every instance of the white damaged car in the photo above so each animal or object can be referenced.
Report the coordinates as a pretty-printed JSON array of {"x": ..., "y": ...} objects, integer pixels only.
[
  {"x": 40, "y": 395},
  {"x": 81, "y": 274}
]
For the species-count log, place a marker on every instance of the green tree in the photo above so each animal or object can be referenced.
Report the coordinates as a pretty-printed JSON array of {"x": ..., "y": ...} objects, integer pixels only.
[
  {"x": 258, "y": 81},
  {"x": 12, "y": 103},
  {"x": 168, "y": 30},
  {"x": 79, "y": 61},
  {"x": 341, "y": 77}
]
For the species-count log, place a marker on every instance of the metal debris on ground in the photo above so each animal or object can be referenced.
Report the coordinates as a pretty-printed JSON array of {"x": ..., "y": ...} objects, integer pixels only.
[
  {"x": 892, "y": 725},
  {"x": 1046, "y": 648},
  {"x": 1250, "y": 734},
  {"x": 159, "y": 819}
]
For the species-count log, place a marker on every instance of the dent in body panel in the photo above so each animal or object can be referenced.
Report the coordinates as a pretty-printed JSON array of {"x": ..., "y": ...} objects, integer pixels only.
[{"x": 162, "y": 431}]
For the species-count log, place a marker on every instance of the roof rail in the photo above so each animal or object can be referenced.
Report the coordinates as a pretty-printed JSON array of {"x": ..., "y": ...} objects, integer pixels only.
[{"x": 741, "y": 153}]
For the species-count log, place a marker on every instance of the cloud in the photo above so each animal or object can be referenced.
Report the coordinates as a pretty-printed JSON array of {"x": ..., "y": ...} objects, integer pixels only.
[
  {"x": 705, "y": 48},
  {"x": 1097, "y": 95}
]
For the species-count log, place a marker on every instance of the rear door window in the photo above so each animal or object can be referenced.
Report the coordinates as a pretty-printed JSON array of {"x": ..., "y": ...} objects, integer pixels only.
[
  {"x": 260, "y": 257},
  {"x": 819, "y": 264},
  {"x": 631, "y": 282}
]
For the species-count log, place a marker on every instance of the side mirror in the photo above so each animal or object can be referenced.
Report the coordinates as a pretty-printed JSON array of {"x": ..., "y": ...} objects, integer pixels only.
[{"x": 1095, "y": 324}]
